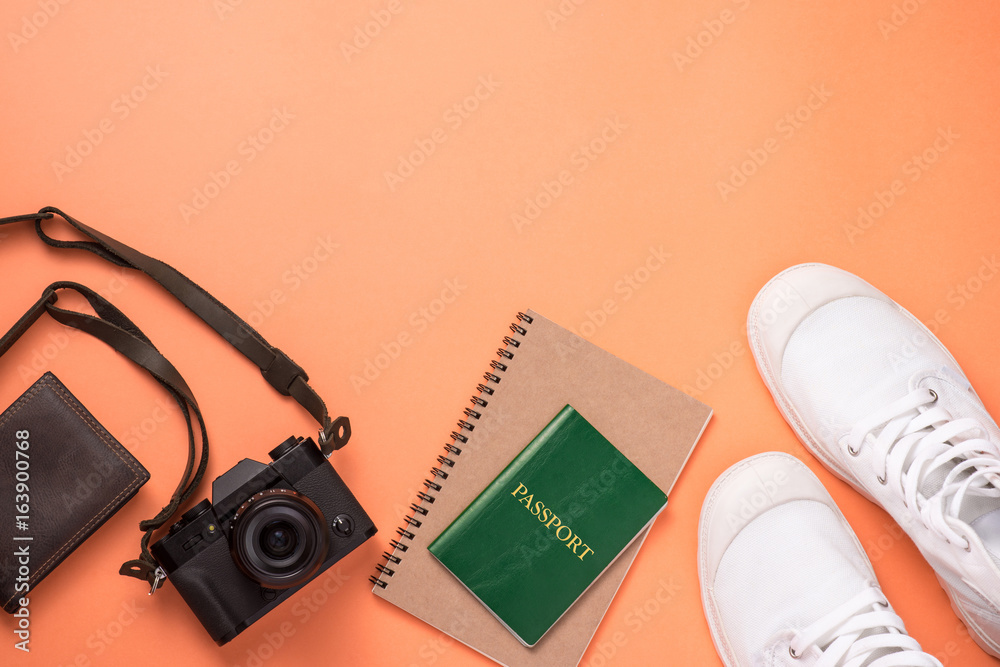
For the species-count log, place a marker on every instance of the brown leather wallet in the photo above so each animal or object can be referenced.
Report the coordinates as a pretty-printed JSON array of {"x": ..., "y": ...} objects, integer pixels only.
[{"x": 62, "y": 475}]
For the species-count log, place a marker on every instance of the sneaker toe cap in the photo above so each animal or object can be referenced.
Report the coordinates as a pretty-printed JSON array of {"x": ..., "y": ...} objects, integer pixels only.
[
  {"x": 788, "y": 298},
  {"x": 744, "y": 492}
]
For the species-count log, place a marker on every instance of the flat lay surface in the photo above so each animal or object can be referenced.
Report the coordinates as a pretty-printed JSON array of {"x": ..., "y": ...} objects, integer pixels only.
[{"x": 379, "y": 189}]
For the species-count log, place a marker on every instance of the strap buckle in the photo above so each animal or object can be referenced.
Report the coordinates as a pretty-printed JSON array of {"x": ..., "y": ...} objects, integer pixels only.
[{"x": 282, "y": 372}]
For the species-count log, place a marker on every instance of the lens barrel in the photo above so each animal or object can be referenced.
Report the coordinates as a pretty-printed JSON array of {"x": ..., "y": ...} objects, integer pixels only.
[{"x": 279, "y": 538}]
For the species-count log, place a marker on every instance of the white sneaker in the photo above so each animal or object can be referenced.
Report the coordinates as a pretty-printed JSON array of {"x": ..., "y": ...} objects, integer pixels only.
[
  {"x": 784, "y": 580},
  {"x": 877, "y": 398}
]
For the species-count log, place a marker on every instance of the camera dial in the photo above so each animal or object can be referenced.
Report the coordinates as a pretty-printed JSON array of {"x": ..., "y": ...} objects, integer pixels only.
[
  {"x": 279, "y": 538},
  {"x": 190, "y": 515}
]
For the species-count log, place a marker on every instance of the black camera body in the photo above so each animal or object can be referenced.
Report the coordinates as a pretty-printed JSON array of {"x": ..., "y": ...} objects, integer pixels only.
[{"x": 269, "y": 531}]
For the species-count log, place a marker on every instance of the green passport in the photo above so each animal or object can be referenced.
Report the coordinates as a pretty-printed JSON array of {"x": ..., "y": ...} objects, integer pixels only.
[{"x": 540, "y": 533}]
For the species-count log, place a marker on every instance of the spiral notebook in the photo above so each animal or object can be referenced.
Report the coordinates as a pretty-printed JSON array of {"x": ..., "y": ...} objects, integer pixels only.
[{"x": 540, "y": 369}]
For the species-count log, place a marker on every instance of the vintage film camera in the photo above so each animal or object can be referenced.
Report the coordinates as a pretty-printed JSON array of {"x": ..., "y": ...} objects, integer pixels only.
[{"x": 269, "y": 530}]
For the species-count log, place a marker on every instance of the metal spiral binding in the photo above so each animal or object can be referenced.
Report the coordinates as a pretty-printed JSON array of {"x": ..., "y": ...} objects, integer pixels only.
[{"x": 433, "y": 484}]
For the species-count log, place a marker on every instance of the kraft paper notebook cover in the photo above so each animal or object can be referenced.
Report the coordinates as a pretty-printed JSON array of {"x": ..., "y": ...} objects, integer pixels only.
[
  {"x": 546, "y": 528},
  {"x": 541, "y": 368}
]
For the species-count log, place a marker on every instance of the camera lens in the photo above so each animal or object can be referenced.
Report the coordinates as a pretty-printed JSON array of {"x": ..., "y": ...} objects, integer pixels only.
[{"x": 279, "y": 538}]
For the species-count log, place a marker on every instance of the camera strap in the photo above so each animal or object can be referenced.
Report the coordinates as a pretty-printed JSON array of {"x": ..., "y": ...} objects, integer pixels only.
[
  {"x": 119, "y": 332},
  {"x": 287, "y": 377},
  {"x": 115, "y": 329}
]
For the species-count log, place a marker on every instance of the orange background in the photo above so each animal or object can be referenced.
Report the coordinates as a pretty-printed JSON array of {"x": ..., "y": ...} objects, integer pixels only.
[{"x": 200, "y": 78}]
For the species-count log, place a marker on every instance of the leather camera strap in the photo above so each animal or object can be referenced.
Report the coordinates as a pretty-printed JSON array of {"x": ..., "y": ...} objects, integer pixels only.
[
  {"x": 115, "y": 329},
  {"x": 112, "y": 327},
  {"x": 287, "y": 377}
]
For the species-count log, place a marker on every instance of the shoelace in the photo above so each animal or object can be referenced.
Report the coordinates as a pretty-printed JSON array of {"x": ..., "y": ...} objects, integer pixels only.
[
  {"x": 839, "y": 636},
  {"x": 914, "y": 445}
]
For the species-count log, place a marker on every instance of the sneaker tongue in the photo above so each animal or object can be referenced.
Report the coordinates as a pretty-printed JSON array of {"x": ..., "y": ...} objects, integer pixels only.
[
  {"x": 878, "y": 653},
  {"x": 955, "y": 395},
  {"x": 987, "y": 526},
  {"x": 973, "y": 506}
]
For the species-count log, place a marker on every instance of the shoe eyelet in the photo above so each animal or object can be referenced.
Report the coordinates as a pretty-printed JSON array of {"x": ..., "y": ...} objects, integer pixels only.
[
  {"x": 852, "y": 451},
  {"x": 934, "y": 395},
  {"x": 882, "y": 480},
  {"x": 792, "y": 653}
]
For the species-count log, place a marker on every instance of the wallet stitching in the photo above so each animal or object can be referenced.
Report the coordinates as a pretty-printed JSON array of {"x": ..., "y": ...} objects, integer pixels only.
[
  {"x": 68, "y": 400},
  {"x": 62, "y": 393}
]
